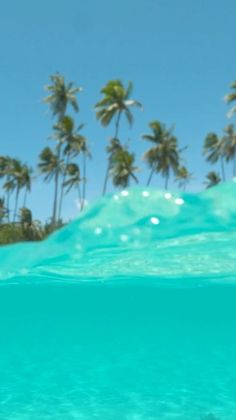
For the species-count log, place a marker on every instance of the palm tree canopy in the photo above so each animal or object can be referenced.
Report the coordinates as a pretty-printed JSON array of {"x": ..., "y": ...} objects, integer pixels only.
[
  {"x": 116, "y": 99},
  {"x": 230, "y": 142},
  {"x": 67, "y": 134},
  {"x": 160, "y": 136},
  {"x": 74, "y": 179},
  {"x": 168, "y": 156},
  {"x": 123, "y": 168},
  {"x": 165, "y": 151},
  {"x": 159, "y": 132},
  {"x": 213, "y": 147},
  {"x": 212, "y": 179},
  {"x": 61, "y": 94},
  {"x": 231, "y": 97},
  {"x": 113, "y": 147},
  {"x": 49, "y": 163},
  {"x": 183, "y": 173},
  {"x": 183, "y": 176},
  {"x": 64, "y": 128}
]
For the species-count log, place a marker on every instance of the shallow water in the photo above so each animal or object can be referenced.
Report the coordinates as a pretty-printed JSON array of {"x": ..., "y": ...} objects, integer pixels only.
[{"x": 117, "y": 317}]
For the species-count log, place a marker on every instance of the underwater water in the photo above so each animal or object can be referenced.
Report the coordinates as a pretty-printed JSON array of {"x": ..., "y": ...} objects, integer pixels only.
[{"x": 129, "y": 312}]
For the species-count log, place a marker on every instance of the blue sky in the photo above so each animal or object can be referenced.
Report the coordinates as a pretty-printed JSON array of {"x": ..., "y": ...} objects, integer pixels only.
[{"x": 180, "y": 56}]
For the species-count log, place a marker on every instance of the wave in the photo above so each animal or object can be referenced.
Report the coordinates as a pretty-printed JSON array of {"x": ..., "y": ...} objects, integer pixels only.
[{"x": 137, "y": 234}]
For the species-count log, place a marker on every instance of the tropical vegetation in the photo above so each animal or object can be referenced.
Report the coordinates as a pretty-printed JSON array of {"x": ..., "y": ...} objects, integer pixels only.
[{"x": 63, "y": 163}]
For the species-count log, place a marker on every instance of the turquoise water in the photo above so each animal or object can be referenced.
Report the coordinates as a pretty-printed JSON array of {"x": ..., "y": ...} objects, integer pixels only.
[{"x": 129, "y": 312}]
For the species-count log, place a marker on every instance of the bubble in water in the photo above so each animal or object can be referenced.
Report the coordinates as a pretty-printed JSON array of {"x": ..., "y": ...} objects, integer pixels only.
[
  {"x": 124, "y": 238},
  {"x": 155, "y": 220},
  {"x": 98, "y": 231},
  {"x": 179, "y": 201},
  {"x": 124, "y": 193}
]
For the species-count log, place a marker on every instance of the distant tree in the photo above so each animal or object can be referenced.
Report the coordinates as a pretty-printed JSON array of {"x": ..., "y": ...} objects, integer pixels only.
[
  {"x": 74, "y": 180},
  {"x": 3, "y": 210},
  {"x": 212, "y": 179},
  {"x": 76, "y": 144},
  {"x": 61, "y": 94},
  {"x": 20, "y": 178},
  {"x": 183, "y": 177},
  {"x": 230, "y": 146},
  {"x": 123, "y": 168},
  {"x": 214, "y": 150},
  {"x": 115, "y": 102},
  {"x": 164, "y": 156},
  {"x": 50, "y": 166},
  {"x": 231, "y": 98}
]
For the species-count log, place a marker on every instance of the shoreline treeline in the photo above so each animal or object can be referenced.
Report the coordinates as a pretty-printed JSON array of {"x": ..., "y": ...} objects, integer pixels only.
[{"x": 65, "y": 164}]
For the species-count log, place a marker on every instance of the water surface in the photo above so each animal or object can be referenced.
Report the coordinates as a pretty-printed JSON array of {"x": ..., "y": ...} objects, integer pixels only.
[{"x": 127, "y": 313}]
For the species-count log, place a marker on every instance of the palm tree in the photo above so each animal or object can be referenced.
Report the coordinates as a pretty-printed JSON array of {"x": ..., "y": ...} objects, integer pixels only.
[
  {"x": 230, "y": 146},
  {"x": 75, "y": 144},
  {"x": 6, "y": 164},
  {"x": 158, "y": 135},
  {"x": 214, "y": 150},
  {"x": 64, "y": 133},
  {"x": 115, "y": 102},
  {"x": 26, "y": 180},
  {"x": 20, "y": 178},
  {"x": 168, "y": 158},
  {"x": 212, "y": 179},
  {"x": 183, "y": 176},
  {"x": 61, "y": 94},
  {"x": 74, "y": 180},
  {"x": 123, "y": 169},
  {"x": 164, "y": 157},
  {"x": 3, "y": 210},
  {"x": 50, "y": 165},
  {"x": 231, "y": 97}
]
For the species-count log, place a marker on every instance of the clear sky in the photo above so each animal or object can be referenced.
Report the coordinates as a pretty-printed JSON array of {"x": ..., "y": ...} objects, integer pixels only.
[{"x": 180, "y": 56}]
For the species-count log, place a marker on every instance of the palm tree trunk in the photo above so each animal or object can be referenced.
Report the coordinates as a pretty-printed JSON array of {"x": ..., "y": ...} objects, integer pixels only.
[
  {"x": 106, "y": 180},
  {"x": 55, "y": 201},
  {"x": 234, "y": 165},
  {"x": 222, "y": 168},
  {"x": 84, "y": 181},
  {"x": 150, "y": 176},
  {"x": 166, "y": 181},
  {"x": 54, "y": 211},
  {"x": 8, "y": 202},
  {"x": 62, "y": 188},
  {"x": 108, "y": 167},
  {"x": 79, "y": 197},
  {"x": 8, "y": 206},
  {"x": 25, "y": 198},
  {"x": 16, "y": 204},
  {"x": 117, "y": 125}
]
